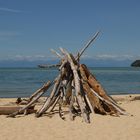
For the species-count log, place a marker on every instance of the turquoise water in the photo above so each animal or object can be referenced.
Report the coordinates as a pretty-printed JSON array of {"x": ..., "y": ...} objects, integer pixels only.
[{"x": 22, "y": 82}]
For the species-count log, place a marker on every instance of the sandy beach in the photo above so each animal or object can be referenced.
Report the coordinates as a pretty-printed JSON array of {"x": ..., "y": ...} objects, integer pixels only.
[{"x": 101, "y": 127}]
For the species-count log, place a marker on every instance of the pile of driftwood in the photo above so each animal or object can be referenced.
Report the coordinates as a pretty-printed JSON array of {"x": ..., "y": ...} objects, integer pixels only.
[{"x": 75, "y": 87}]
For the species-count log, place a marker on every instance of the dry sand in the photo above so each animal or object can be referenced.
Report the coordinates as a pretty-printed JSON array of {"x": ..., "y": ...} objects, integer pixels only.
[{"x": 100, "y": 128}]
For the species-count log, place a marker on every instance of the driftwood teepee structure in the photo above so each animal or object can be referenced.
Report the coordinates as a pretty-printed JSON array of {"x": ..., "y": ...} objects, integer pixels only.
[{"x": 75, "y": 87}]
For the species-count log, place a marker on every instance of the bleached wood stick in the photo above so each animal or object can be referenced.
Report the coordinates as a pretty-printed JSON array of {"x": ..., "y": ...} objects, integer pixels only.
[
  {"x": 90, "y": 106},
  {"x": 52, "y": 102},
  {"x": 47, "y": 102},
  {"x": 55, "y": 103},
  {"x": 55, "y": 89},
  {"x": 48, "y": 84},
  {"x": 84, "y": 48},
  {"x": 87, "y": 45},
  {"x": 62, "y": 51},
  {"x": 56, "y": 53},
  {"x": 37, "y": 92},
  {"x": 77, "y": 88}
]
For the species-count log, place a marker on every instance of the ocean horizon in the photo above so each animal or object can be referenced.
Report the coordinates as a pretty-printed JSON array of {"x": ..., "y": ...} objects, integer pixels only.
[{"x": 22, "y": 82}]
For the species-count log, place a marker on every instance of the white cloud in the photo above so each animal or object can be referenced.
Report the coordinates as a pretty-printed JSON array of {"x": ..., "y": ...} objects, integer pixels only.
[
  {"x": 106, "y": 56},
  {"x": 86, "y": 56},
  {"x": 112, "y": 57},
  {"x": 41, "y": 57},
  {"x": 4, "y": 9},
  {"x": 116, "y": 57},
  {"x": 33, "y": 57},
  {"x": 21, "y": 57}
]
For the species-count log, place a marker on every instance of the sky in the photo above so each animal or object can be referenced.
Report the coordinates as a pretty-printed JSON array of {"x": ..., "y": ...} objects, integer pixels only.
[{"x": 30, "y": 28}]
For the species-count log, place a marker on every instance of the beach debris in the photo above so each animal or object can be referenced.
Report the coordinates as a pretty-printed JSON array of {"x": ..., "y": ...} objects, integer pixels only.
[
  {"x": 6, "y": 110},
  {"x": 33, "y": 98},
  {"x": 76, "y": 88}
]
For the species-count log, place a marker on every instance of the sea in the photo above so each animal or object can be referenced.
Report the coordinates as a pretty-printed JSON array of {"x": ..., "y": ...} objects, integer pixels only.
[{"x": 23, "y": 82}]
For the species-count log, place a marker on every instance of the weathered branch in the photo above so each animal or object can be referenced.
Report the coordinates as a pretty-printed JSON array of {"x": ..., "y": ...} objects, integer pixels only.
[
  {"x": 46, "y": 104},
  {"x": 32, "y": 101},
  {"x": 42, "y": 89},
  {"x": 77, "y": 88},
  {"x": 56, "y": 53},
  {"x": 87, "y": 45},
  {"x": 7, "y": 110}
]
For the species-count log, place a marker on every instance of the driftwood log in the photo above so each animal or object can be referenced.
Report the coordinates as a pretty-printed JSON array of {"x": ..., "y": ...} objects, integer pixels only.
[
  {"x": 77, "y": 88},
  {"x": 6, "y": 110}
]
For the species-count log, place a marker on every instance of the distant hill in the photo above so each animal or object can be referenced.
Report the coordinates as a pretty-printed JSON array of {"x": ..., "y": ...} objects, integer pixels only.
[{"x": 136, "y": 63}]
